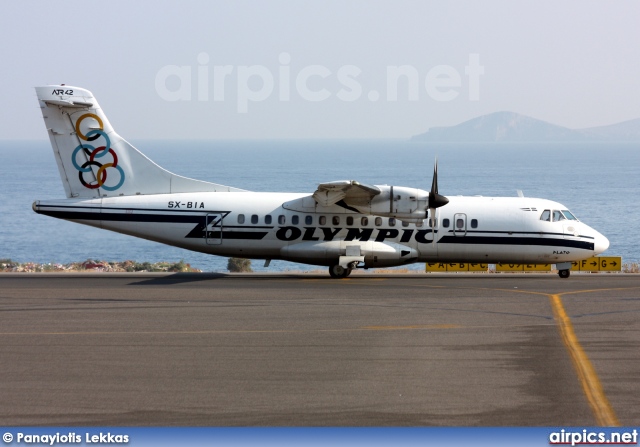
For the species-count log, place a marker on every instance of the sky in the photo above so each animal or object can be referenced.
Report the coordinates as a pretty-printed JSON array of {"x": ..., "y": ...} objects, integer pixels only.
[{"x": 321, "y": 69}]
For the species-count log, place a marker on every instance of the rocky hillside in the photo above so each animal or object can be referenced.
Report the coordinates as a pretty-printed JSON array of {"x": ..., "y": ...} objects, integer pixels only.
[{"x": 513, "y": 127}]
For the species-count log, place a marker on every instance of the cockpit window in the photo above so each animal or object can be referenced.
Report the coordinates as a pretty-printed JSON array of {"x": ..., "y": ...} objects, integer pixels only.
[{"x": 558, "y": 216}]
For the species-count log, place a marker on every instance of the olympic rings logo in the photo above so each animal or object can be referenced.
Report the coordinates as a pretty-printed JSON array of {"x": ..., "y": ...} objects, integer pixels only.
[{"x": 95, "y": 153}]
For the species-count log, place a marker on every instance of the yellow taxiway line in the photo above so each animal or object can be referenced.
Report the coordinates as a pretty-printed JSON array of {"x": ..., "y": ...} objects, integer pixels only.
[{"x": 602, "y": 409}]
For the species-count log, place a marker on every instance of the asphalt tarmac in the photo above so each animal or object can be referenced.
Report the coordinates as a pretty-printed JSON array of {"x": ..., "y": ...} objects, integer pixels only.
[{"x": 307, "y": 350}]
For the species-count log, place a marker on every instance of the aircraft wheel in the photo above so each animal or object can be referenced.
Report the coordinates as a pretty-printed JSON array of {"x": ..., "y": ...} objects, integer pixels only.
[
  {"x": 564, "y": 273},
  {"x": 338, "y": 271}
]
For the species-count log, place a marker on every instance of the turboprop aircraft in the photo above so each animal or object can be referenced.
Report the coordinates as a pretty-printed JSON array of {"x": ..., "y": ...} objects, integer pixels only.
[{"x": 342, "y": 225}]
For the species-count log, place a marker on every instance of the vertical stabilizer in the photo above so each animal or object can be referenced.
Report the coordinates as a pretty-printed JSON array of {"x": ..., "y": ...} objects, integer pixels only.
[{"x": 93, "y": 160}]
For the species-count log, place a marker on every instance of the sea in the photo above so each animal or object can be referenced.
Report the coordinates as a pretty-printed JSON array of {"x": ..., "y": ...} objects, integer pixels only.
[{"x": 598, "y": 182}]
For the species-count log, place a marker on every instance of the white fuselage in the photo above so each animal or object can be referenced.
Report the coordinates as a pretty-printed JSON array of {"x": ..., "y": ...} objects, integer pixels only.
[
  {"x": 344, "y": 224},
  {"x": 293, "y": 227}
]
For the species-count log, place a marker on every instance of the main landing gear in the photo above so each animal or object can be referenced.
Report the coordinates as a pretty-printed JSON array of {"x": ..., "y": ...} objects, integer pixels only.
[
  {"x": 564, "y": 273},
  {"x": 338, "y": 271}
]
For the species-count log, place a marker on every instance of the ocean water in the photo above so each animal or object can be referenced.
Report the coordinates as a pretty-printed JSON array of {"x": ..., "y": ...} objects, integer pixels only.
[{"x": 599, "y": 183}]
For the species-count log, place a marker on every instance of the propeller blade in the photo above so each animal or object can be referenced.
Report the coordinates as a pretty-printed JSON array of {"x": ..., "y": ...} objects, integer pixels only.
[
  {"x": 432, "y": 222},
  {"x": 434, "y": 181},
  {"x": 435, "y": 200}
]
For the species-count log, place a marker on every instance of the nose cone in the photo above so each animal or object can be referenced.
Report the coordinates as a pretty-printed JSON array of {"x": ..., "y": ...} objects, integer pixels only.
[{"x": 601, "y": 244}]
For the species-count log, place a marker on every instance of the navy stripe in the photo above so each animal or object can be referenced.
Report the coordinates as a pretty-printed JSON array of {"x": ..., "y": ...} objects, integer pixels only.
[
  {"x": 543, "y": 233},
  {"x": 195, "y": 219},
  {"x": 198, "y": 232},
  {"x": 250, "y": 235},
  {"x": 260, "y": 227},
  {"x": 490, "y": 240},
  {"x": 162, "y": 210},
  {"x": 76, "y": 215}
]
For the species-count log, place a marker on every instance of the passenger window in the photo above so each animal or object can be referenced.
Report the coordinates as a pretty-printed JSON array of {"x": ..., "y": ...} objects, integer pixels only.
[
  {"x": 405, "y": 224},
  {"x": 323, "y": 220},
  {"x": 254, "y": 218},
  {"x": 420, "y": 223},
  {"x": 459, "y": 223},
  {"x": 446, "y": 223},
  {"x": 281, "y": 219},
  {"x": 474, "y": 223},
  {"x": 546, "y": 216},
  {"x": 349, "y": 220},
  {"x": 378, "y": 221},
  {"x": 308, "y": 220},
  {"x": 240, "y": 218},
  {"x": 336, "y": 220},
  {"x": 364, "y": 221},
  {"x": 392, "y": 222},
  {"x": 294, "y": 220},
  {"x": 267, "y": 219}
]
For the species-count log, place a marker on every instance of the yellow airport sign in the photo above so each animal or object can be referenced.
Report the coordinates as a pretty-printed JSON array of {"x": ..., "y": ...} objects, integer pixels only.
[
  {"x": 523, "y": 267},
  {"x": 537, "y": 267},
  {"x": 436, "y": 267},
  {"x": 509, "y": 268},
  {"x": 594, "y": 264},
  {"x": 599, "y": 264},
  {"x": 455, "y": 267},
  {"x": 610, "y": 263},
  {"x": 478, "y": 267}
]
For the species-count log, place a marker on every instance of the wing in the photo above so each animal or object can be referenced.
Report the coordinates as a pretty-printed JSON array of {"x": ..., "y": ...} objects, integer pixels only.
[{"x": 352, "y": 192}]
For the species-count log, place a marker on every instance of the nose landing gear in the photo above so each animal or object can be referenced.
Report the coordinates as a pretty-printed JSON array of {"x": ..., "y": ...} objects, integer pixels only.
[{"x": 564, "y": 269}]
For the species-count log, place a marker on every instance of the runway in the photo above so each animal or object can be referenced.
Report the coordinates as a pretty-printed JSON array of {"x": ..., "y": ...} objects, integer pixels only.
[{"x": 306, "y": 350}]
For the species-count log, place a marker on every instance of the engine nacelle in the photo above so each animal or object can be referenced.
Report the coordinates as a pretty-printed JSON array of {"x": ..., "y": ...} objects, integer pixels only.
[
  {"x": 375, "y": 254},
  {"x": 400, "y": 202}
]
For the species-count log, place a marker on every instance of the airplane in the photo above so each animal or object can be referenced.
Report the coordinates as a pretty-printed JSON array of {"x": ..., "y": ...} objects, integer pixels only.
[{"x": 342, "y": 225}]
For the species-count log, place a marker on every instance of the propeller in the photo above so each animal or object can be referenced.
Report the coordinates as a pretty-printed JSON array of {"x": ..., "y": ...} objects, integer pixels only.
[{"x": 435, "y": 200}]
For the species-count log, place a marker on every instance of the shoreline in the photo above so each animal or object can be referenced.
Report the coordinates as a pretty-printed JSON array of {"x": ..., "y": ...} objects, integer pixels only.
[
  {"x": 90, "y": 265},
  {"x": 130, "y": 266}
]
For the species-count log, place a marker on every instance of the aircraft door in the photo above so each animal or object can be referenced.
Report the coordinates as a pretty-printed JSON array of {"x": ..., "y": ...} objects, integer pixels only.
[
  {"x": 213, "y": 229},
  {"x": 459, "y": 224}
]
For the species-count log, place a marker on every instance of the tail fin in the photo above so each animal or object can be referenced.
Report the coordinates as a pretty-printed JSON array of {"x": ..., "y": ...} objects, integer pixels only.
[{"x": 93, "y": 160}]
